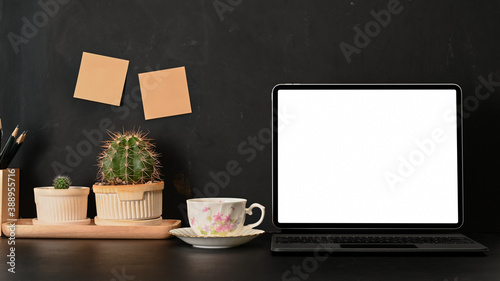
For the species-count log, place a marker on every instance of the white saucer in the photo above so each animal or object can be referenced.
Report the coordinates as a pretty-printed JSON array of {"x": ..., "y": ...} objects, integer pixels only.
[{"x": 187, "y": 235}]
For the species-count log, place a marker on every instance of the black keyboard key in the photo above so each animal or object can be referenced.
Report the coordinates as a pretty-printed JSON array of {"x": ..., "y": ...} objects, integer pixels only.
[
  {"x": 372, "y": 240},
  {"x": 377, "y": 245}
]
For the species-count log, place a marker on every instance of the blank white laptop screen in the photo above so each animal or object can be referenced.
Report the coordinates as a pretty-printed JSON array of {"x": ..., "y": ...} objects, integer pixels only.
[{"x": 367, "y": 156}]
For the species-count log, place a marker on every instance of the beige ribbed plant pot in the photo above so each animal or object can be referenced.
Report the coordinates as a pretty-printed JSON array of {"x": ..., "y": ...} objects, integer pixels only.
[
  {"x": 128, "y": 202},
  {"x": 61, "y": 206}
]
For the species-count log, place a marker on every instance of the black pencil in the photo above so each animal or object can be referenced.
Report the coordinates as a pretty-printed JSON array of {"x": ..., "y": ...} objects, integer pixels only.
[
  {"x": 1, "y": 131},
  {"x": 13, "y": 151},
  {"x": 10, "y": 154},
  {"x": 8, "y": 146}
]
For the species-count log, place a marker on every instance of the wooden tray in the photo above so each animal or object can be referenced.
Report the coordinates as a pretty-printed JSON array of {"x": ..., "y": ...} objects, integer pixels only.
[{"x": 26, "y": 229}]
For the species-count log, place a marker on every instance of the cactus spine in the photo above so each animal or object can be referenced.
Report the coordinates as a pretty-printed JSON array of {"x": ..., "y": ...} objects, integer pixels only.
[
  {"x": 62, "y": 182},
  {"x": 128, "y": 158}
]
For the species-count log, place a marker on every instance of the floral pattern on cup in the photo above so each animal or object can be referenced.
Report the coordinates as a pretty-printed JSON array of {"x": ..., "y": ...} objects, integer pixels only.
[
  {"x": 220, "y": 217},
  {"x": 220, "y": 224}
]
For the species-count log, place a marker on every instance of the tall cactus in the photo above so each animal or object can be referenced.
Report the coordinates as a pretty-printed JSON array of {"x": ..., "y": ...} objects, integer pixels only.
[{"x": 128, "y": 158}]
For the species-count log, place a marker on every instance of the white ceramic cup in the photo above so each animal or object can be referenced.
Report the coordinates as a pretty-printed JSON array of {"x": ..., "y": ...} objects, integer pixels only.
[{"x": 220, "y": 216}]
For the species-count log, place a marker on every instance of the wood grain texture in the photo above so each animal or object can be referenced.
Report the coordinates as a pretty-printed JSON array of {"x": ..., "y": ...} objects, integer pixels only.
[
  {"x": 24, "y": 228},
  {"x": 9, "y": 187}
]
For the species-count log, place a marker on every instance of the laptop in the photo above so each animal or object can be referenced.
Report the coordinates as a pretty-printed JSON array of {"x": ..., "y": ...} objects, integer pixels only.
[{"x": 368, "y": 168}]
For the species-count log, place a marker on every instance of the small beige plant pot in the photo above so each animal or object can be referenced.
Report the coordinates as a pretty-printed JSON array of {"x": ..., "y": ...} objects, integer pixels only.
[
  {"x": 128, "y": 202},
  {"x": 61, "y": 206}
]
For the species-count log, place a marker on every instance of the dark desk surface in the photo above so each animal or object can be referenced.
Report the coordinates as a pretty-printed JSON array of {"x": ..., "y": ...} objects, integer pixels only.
[{"x": 120, "y": 260}]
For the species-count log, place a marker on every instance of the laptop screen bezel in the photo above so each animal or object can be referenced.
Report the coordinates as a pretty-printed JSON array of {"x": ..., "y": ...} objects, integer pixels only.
[{"x": 378, "y": 226}]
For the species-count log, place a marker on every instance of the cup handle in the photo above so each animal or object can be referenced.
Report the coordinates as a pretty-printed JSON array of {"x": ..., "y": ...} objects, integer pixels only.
[{"x": 248, "y": 211}]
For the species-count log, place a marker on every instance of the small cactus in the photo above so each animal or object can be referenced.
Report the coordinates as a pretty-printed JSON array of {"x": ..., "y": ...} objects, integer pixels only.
[
  {"x": 62, "y": 182},
  {"x": 128, "y": 158}
]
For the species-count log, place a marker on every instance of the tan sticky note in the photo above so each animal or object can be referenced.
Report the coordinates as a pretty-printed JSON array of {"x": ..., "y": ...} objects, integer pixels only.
[
  {"x": 101, "y": 79},
  {"x": 165, "y": 93}
]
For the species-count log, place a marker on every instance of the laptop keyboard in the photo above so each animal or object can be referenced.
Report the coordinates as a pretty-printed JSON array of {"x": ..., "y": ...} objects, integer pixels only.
[{"x": 372, "y": 240}]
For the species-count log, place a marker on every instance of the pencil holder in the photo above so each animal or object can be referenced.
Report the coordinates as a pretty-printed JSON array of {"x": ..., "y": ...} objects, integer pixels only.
[{"x": 9, "y": 194}]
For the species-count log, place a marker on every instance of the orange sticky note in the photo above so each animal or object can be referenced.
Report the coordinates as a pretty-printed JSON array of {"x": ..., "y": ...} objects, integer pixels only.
[
  {"x": 101, "y": 79},
  {"x": 165, "y": 93}
]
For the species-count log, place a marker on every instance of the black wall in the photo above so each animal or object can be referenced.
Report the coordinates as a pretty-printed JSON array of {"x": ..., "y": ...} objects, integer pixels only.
[{"x": 234, "y": 52}]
